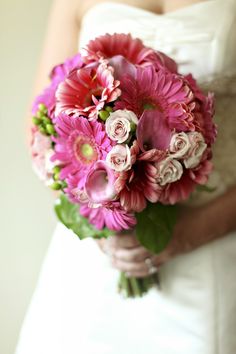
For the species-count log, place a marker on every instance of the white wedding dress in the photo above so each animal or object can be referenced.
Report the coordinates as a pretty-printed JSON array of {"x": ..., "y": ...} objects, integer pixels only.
[{"x": 75, "y": 308}]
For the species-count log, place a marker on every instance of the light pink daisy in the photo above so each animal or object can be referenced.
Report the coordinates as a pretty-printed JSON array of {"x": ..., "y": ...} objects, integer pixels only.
[
  {"x": 132, "y": 49},
  {"x": 79, "y": 144},
  {"x": 85, "y": 91},
  {"x": 111, "y": 215},
  {"x": 159, "y": 90}
]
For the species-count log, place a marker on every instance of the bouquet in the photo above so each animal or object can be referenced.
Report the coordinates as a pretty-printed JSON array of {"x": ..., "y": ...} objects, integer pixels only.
[{"x": 124, "y": 137}]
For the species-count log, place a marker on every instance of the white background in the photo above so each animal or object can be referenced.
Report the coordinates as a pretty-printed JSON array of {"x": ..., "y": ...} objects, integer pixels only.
[{"x": 26, "y": 213}]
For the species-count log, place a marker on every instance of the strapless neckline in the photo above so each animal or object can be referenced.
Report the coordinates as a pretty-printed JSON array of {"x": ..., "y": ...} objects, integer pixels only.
[{"x": 139, "y": 10}]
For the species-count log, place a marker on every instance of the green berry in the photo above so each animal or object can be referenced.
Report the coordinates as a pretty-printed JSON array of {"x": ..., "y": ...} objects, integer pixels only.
[
  {"x": 50, "y": 129},
  {"x": 42, "y": 108},
  {"x": 40, "y": 114},
  {"x": 103, "y": 115},
  {"x": 56, "y": 176},
  {"x": 56, "y": 186},
  {"x": 109, "y": 109},
  {"x": 42, "y": 130},
  {"x": 133, "y": 127},
  {"x": 36, "y": 121},
  {"x": 56, "y": 169},
  {"x": 46, "y": 120}
]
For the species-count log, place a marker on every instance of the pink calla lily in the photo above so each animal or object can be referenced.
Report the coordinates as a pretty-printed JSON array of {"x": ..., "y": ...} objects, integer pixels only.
[
  {"x": 99, "y": 185},
  {"x": 153, "y": 131}
]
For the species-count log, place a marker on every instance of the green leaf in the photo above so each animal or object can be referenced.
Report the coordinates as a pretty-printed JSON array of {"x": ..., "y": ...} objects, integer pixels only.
[
  {"x": 155, "y": 226},
  {"x": 68, "y": 214}
]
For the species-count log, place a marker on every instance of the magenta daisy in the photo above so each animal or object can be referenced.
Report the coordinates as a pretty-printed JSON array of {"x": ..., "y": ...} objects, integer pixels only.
[
  {"x": 86, "y": 90},
  {"x": 79, "y": 145},
  {"x": 161, "y": 91},
  {"x": 112, "y": 216}
]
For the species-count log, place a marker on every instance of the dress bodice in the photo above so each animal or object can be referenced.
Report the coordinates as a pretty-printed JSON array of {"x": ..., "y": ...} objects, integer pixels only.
[{"x": 201, "y": 39}]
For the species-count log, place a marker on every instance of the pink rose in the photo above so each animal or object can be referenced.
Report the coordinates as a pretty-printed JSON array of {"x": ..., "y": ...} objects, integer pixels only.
[
  {"x": 99, "y": 185},
  {"x": 197, "y": 148},
  {"x": 119, "y": 158},
  {"x": 168, "y": 171},
  {"x": 179, "y": 145},
  {"x": 119, "y": 124}
]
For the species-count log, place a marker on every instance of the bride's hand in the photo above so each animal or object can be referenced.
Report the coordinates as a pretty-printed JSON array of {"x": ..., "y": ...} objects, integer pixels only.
[{"x": 129, "y": 256}]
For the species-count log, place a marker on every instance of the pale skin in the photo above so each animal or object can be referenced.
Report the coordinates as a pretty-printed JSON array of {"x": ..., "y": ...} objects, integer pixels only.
[{"x": 196, "y": 226}]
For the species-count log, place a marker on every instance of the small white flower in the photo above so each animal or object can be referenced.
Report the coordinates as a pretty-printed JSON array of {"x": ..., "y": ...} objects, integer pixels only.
[
  {"x": 179, "y": 145},
  {"x": 119, "y": 158},
  {"x": 168, "y": 171},
  {"x": 197, "y": 149},
  {"x": 118, "y": 125}
]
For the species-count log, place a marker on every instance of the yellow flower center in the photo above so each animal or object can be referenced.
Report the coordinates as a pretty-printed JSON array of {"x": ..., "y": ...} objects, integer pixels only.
[{"x": 87, "y": 150}]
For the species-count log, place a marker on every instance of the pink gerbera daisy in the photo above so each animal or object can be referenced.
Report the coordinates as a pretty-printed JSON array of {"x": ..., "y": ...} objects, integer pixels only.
[
  {"x": 204, "y": 111},
  {"x": 86, "y": 90},
  {"x": 79, "y": 144},
  {"x": 137, "y": 186},
  {"x": 112, "y": 216},
  {"x": 159, "y": 90},
  {"x": 132, "y": 49}
]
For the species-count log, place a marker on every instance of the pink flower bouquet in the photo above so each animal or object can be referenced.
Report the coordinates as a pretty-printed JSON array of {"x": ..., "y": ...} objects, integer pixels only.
[{"x": 124, "y": 137}]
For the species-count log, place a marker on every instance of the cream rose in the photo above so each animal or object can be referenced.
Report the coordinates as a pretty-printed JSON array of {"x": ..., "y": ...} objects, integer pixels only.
[
  {"x": 197, "y": 148},
  {"x": 119, "y": 158},
  {"x": 179, "y": 145},
  {"x": 118, "y": 125},
  {"x": 168, "y": 171}
]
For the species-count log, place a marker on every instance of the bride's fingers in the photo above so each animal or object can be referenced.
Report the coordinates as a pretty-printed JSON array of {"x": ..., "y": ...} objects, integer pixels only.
[
  {"x": 136, "y": 254},
  {"x": 123, "y": 241},
  {"x": 129, "y": 267}
]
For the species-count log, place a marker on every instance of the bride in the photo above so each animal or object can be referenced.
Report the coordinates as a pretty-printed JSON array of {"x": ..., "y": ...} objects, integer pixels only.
[{"x": 75, "y": 308}]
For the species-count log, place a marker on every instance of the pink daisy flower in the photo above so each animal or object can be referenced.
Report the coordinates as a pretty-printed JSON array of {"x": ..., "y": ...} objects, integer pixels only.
[
  {"x": 159, "y": 90},
  {"x": 138, "y": 185},
  {"x": 133, "y": 50},
  {"x": 181, "y": 190},
  {"x": 79, "y": 145},
  {"x": 178, "y": 191},
  {"x": 85, "y": 91},
  {"x": 112, "y": 216}
]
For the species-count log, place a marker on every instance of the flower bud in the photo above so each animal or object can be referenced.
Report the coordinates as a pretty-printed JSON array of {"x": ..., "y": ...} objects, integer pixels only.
[
  {"x": 43, "y": 130},
  {"x": 109, "y": 109},
  {"x": 36, "y": 121},
  {"x": 56, "y": 186},
  {"x": 103, "y": 115},
  {"x": 56, "y": 169},
  {"x": 46, "y": 120},
  {"x": 56, "y": 176},
  {"x": 50, "y": 129},
  {"x": 42, "y": 108}
]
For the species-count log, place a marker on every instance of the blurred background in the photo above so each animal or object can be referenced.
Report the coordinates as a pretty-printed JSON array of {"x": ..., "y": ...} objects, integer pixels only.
[{"x": 26, "y": 210}]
